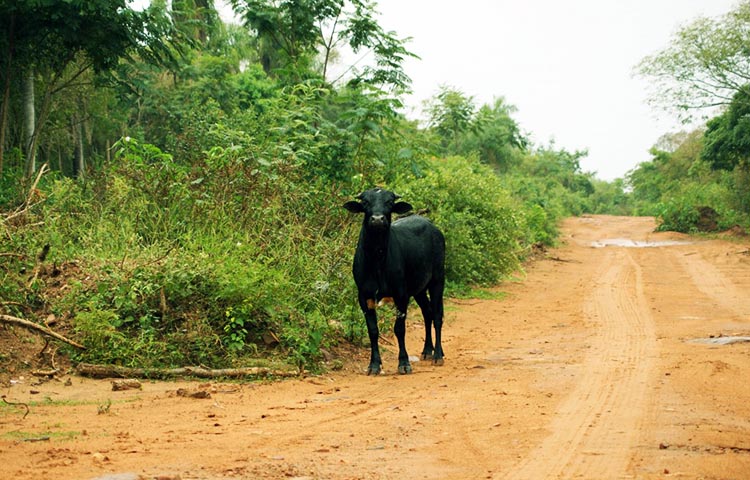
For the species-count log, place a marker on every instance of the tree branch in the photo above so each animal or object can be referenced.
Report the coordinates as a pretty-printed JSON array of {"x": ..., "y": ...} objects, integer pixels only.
[
  {"x": 38, "y": 328},
  {"x": 115, "y": 371}
]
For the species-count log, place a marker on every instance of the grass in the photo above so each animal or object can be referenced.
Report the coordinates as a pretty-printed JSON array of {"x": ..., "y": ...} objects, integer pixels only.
[
  {"x": 18, "y": 407},
  {"x": 22, "y": 436},
  {"x": 479, "y": 293}
]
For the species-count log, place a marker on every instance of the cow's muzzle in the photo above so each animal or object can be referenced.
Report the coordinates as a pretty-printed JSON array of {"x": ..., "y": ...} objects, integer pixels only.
[{"x": 378, "y": 221}]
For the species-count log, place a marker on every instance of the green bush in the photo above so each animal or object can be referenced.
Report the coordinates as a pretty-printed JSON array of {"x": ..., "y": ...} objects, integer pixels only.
[
  {"x": 201, "y": 264},
  {"x": 680, "y": 211},
  {"x": 198, "y": 265}
]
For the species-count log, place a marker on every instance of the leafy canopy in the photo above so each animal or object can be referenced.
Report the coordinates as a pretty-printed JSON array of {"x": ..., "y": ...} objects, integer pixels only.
[
  {"x": 300, "y": 38},
  {"x": 706, "y": 63},
  {"x": 727, "y": 137}
]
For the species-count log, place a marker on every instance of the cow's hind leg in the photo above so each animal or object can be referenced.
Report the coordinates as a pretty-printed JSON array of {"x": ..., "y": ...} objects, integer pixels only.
[
  {"x": 424, "y": 305},
  {"x": 436, "y": 302},
  {"x": 399, "y": 329}
]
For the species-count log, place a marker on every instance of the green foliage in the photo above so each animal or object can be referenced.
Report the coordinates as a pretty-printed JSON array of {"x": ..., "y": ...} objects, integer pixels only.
[
  {"x": 292, "y": 35},
  {"x": 678, "y": 183},
  {"x": 211, "y": 232},
  {"x": 235, "y": 330},
  {"x": 704, "y": 65},
  {"x": 47, "y": 33},
  {"x": 496, "y": 136},
  {"x": 451, "y": 114},
  {"x": 550, "y": 185},
  {"x": 185, "y": 267},
  {"x": 610, "y": 197},
  {"x": 727, "y": 136}
]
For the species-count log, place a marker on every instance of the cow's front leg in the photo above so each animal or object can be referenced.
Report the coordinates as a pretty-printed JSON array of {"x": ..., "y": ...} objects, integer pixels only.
[
  {"x": 376, "y": 364},
  {"x": 399, "y": 329}
]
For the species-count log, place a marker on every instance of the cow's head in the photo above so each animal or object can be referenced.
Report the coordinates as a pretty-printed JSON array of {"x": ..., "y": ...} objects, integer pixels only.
[{"x": 377, "y": 205}]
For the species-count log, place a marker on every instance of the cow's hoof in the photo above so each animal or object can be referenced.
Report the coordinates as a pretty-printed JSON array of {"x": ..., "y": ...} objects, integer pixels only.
[
  {"x": 427, "y": 355},
  {"x": 404, "y": 369},
  {"x": 438, "y": 361},
  {"x": 374, "y": 369}
]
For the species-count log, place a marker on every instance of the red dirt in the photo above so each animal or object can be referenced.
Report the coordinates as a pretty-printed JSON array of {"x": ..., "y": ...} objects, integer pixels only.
[{"x": 586, "y": 369}]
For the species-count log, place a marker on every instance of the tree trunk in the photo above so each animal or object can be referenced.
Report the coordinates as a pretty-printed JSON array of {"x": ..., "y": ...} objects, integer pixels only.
[
  {"x": 40, "y": 120},
  {"x": 6, "y": 89},
  {"x": 78, "y": 162},
  {"x": 4, "y": 118},
  {"x": 29, "y": 114},
  {"x": 116, "y": 371}
]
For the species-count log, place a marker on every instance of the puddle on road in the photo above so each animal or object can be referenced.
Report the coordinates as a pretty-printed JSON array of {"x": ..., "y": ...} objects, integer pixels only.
[
  {"x": 628, "y": 243},
  {"x": 728, "y": 340}
]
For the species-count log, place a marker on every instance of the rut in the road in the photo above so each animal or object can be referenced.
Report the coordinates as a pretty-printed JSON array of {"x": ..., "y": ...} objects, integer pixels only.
[{"x": 599, "y": 420}]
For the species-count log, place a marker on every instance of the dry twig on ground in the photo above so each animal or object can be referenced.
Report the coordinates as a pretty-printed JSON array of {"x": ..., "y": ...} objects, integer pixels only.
[
  {"x": 115, "y": 371},
  {"x": 38, "y": 328}
]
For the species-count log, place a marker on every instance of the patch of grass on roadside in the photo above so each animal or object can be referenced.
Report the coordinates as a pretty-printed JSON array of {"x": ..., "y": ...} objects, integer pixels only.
[
  {"x": 21, "y": 436},
  {"x": 8, "y": 409},
  {"x": 479, "y": 293}
]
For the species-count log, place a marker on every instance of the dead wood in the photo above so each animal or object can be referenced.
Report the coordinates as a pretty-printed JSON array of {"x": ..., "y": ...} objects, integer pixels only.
[
  {"x": 115, "y": 371},
  {"x": 563, "y": 260},
  {"x": 38, "y": 328},
  {"x": 16, "y": 404},
  {"x": 126, "y": 384},
  {"x": 183, "y": 392},
  {"x": 27, "y": 205}
]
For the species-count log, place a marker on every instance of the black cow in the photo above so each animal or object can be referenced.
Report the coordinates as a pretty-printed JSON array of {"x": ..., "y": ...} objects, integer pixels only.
[{"x": 398, "y": 260}]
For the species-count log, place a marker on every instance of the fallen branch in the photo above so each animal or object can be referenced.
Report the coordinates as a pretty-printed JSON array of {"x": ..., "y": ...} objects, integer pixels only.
[
  {"x": 38, "y": 328},
  {"x": 27, "y": 205},
  {"x": 17, "y": 404},
  {"x": 114, "y": 371},
  {"x": 126, "y": 384},
  {"x": 563, "y": 260}
]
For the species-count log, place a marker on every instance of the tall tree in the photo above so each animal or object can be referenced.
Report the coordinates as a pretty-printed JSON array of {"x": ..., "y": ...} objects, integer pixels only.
[
  {"x": 496, "y": 135},
  {"x": 298, "y": 38},
  {"x": 727, "y": 137},
  {"x": 450, "y": 114},
  {"x": 706, "y": 63},
  {"x": 52, "y": 43},
  {"x": 196, "y": 18}
]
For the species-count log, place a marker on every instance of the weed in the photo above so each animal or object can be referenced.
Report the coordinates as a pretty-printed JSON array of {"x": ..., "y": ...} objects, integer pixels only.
[
  {"x": 104, "y": 408},
  {"x": 21, "y": 436}
]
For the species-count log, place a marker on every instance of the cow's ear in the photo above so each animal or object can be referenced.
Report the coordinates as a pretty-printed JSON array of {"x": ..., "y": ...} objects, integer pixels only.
[
  {"x": 354, "y": 206},
  {"x": 402, "y": 207}
]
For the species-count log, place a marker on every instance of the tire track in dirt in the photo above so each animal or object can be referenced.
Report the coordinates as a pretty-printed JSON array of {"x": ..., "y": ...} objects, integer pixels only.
[
  {"x": 580, "y": 370},
  {"x": 595, "y": 429},
  {"x": 714, "y": 284}
]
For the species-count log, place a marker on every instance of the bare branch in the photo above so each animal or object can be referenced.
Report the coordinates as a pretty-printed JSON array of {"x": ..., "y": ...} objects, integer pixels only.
[{"x": 38, "y": 328}]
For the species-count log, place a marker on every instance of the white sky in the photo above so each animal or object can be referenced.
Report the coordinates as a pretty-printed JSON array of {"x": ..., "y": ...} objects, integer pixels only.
[{"x": 566, "y": 65}]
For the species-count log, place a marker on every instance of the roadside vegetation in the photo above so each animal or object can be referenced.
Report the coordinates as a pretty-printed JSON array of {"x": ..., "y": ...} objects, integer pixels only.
[
  {"x": 699, "y": 179},
  {"x": 171, "y": 185}
]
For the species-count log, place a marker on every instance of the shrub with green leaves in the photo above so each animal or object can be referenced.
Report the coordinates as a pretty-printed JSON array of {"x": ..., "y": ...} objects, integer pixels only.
[
  {"x": 198, "y": 265},
  {"x": 680, "y": 211}
]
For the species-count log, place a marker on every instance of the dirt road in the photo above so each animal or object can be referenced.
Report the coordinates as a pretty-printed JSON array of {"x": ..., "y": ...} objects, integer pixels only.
[{"x": 617, "y": 357}]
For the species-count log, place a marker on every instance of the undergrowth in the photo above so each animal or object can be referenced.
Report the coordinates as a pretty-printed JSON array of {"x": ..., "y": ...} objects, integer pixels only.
[{"x": 159, "y": 264}]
